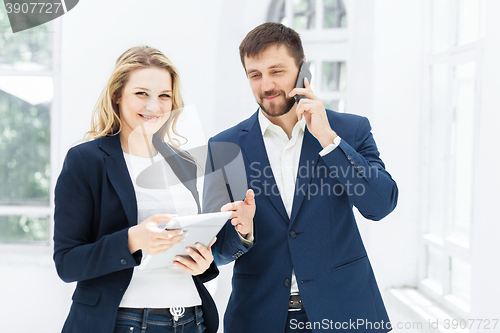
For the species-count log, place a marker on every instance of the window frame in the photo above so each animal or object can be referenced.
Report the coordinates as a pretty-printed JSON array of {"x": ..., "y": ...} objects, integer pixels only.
[
  {"x": 453, "y": 56},
  {"x": 36, "y": 247},
  {"x": 323, "y": 45}
]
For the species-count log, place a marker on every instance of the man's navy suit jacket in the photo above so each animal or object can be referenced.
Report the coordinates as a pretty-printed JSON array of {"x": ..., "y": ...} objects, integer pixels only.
[
  {"x": 320, "y": 240},
  {"x": 95, "y": 205}
]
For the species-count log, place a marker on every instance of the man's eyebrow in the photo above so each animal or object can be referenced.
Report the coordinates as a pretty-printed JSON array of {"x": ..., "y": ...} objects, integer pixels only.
[{"x": 278, "y": 65}]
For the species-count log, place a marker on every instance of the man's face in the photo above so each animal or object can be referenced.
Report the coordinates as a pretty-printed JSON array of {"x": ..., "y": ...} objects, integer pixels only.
[{"x": 272, "y": 75}]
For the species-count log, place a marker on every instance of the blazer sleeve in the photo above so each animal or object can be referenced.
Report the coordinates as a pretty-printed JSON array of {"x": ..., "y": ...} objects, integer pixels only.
[
  {"x": 359, "y": 169},
  {"x": 216, "y": 193},
  {"x": 80, "y": 253}
]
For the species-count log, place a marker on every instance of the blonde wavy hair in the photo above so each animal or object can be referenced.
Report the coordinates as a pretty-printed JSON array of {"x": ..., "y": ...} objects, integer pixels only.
[{"x": 106, "y": 115}]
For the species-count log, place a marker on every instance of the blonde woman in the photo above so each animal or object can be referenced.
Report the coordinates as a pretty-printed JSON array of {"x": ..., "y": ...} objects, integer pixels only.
[{"x": 105, "y": 221}]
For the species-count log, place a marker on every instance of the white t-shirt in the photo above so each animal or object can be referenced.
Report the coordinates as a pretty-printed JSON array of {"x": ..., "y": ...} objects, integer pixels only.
[{"x": 159, "y": 191}]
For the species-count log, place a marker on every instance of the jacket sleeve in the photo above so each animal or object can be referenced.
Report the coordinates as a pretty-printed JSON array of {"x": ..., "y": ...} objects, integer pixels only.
[
  {"x": 217, "y": 191},
  {"x": 362, "y": 173},
  {"x": 211, "y": 273},
  {"x": 80, "y": 254}
]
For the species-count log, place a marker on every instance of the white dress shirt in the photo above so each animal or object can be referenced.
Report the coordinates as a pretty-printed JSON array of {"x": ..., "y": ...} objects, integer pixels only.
[{"x": 284, "y": 155}]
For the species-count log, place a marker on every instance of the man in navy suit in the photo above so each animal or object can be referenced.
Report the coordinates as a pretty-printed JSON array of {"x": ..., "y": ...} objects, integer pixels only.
[{"x": 303, "y": 266}]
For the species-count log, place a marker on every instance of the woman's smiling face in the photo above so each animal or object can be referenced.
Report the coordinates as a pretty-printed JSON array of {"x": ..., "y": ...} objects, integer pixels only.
[{"x": 146, "y": 100}]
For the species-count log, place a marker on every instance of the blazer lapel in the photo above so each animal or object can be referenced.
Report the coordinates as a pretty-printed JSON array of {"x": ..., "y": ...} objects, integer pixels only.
[
  {"x": 309, "y": 157},
  {"x": 252, "y": 145},
  {"x": 183, "y": 169},
  {"x": 119, "y": 176}
]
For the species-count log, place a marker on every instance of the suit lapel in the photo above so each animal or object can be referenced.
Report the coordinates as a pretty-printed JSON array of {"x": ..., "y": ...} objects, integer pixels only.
[
  {"x": 309, "y": 157},
  {"x": 118, "y": 175},
  {"x": 252, "y": 145}
]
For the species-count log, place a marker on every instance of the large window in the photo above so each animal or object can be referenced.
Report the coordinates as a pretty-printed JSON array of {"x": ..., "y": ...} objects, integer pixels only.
[
  {"x": 26, "y": 100},
  {"x": 454, "y": 35},
  {"x": 322, "y": 25}
]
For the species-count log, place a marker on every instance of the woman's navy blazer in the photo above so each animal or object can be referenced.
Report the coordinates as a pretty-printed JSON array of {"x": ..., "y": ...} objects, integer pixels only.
[{"x": 95, "y": 204}]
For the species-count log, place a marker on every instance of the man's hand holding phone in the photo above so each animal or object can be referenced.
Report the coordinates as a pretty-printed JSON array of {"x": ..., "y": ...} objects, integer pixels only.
[{"x": 313, "y": 109}]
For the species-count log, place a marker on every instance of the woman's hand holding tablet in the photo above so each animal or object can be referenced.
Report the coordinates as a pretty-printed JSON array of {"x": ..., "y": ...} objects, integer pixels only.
[{"x": 146, "y": 236}]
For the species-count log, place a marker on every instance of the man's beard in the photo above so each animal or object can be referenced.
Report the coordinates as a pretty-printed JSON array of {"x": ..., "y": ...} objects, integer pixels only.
[{"x": 279, "y": 109}]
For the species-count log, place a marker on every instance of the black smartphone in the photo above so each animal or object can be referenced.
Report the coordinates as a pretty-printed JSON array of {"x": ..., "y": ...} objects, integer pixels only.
[{"x": 303, "y": 72}]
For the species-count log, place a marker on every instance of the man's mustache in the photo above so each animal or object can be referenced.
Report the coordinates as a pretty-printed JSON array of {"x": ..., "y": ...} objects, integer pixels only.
[{"x": 272, "y": 93}]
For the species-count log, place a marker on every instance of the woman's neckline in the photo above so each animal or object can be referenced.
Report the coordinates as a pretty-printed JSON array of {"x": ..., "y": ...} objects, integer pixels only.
[{"x": 141, "y": 157}]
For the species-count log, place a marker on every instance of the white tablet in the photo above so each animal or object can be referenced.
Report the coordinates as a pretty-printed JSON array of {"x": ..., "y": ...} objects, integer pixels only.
[{"x": 200, "y": 228}]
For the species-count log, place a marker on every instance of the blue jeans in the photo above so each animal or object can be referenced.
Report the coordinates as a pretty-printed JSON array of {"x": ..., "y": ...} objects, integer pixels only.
[
  {"x": 136, "y": 323},
  {"x": 297, "y": 322}
]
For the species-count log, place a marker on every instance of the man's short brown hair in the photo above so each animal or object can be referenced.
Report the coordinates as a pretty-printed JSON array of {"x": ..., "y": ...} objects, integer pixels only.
[{"x": 271, "y": 33}]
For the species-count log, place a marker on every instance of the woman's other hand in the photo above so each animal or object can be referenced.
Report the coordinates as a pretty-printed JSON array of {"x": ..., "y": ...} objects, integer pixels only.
[
  {"x": 199, "y": 260},
  {"x": 146, "y": 236}
]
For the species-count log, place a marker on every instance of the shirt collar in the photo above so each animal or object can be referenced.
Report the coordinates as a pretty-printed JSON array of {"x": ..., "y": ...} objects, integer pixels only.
[{"x": 265, "y": 123}]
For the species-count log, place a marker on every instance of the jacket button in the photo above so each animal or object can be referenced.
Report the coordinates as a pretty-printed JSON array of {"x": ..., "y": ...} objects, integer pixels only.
[
  {"x": 287, "y": 283},
  {"x": 293, "y": 234},
  {"x": 123, "y": 262}
]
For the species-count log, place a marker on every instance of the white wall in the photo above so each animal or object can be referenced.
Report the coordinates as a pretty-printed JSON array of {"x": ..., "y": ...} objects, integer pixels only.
[
  {"x": 235, "y": 101},
  {"x": 32, "y": 296},
  {"x": 397, "y": 61},
  {"x": 95, "y": 33}
]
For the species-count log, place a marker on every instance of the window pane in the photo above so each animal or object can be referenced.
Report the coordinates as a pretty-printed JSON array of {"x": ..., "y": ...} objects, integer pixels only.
[
  {"x": 24, "y": 140},
  {"x": 335, "y": 105},
  {"x": 463, "y": 151},
  {"x": 468, "y": 21},
  {"x": 282, "y": 14},
  {"x": 304, "y": 13},
  {"x": 460, "y": 280},
  {"x": 435, "y": 263},
  {"x": 440, "y": 25},
  {"x": 334, "y": 14},
  {"x": 23, "y": 229},
  {"x": 334, "y": 76},
  {"x": 438, "y": 174},
  {"x": 312, "y": 69},
  {"x": 25, "y": 50}
]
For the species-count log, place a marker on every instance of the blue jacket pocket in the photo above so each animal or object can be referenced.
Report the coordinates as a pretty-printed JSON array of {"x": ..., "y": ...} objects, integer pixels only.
[
  {"x": 86, "y": 295},
  {"x": 349, "y": 263}
]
